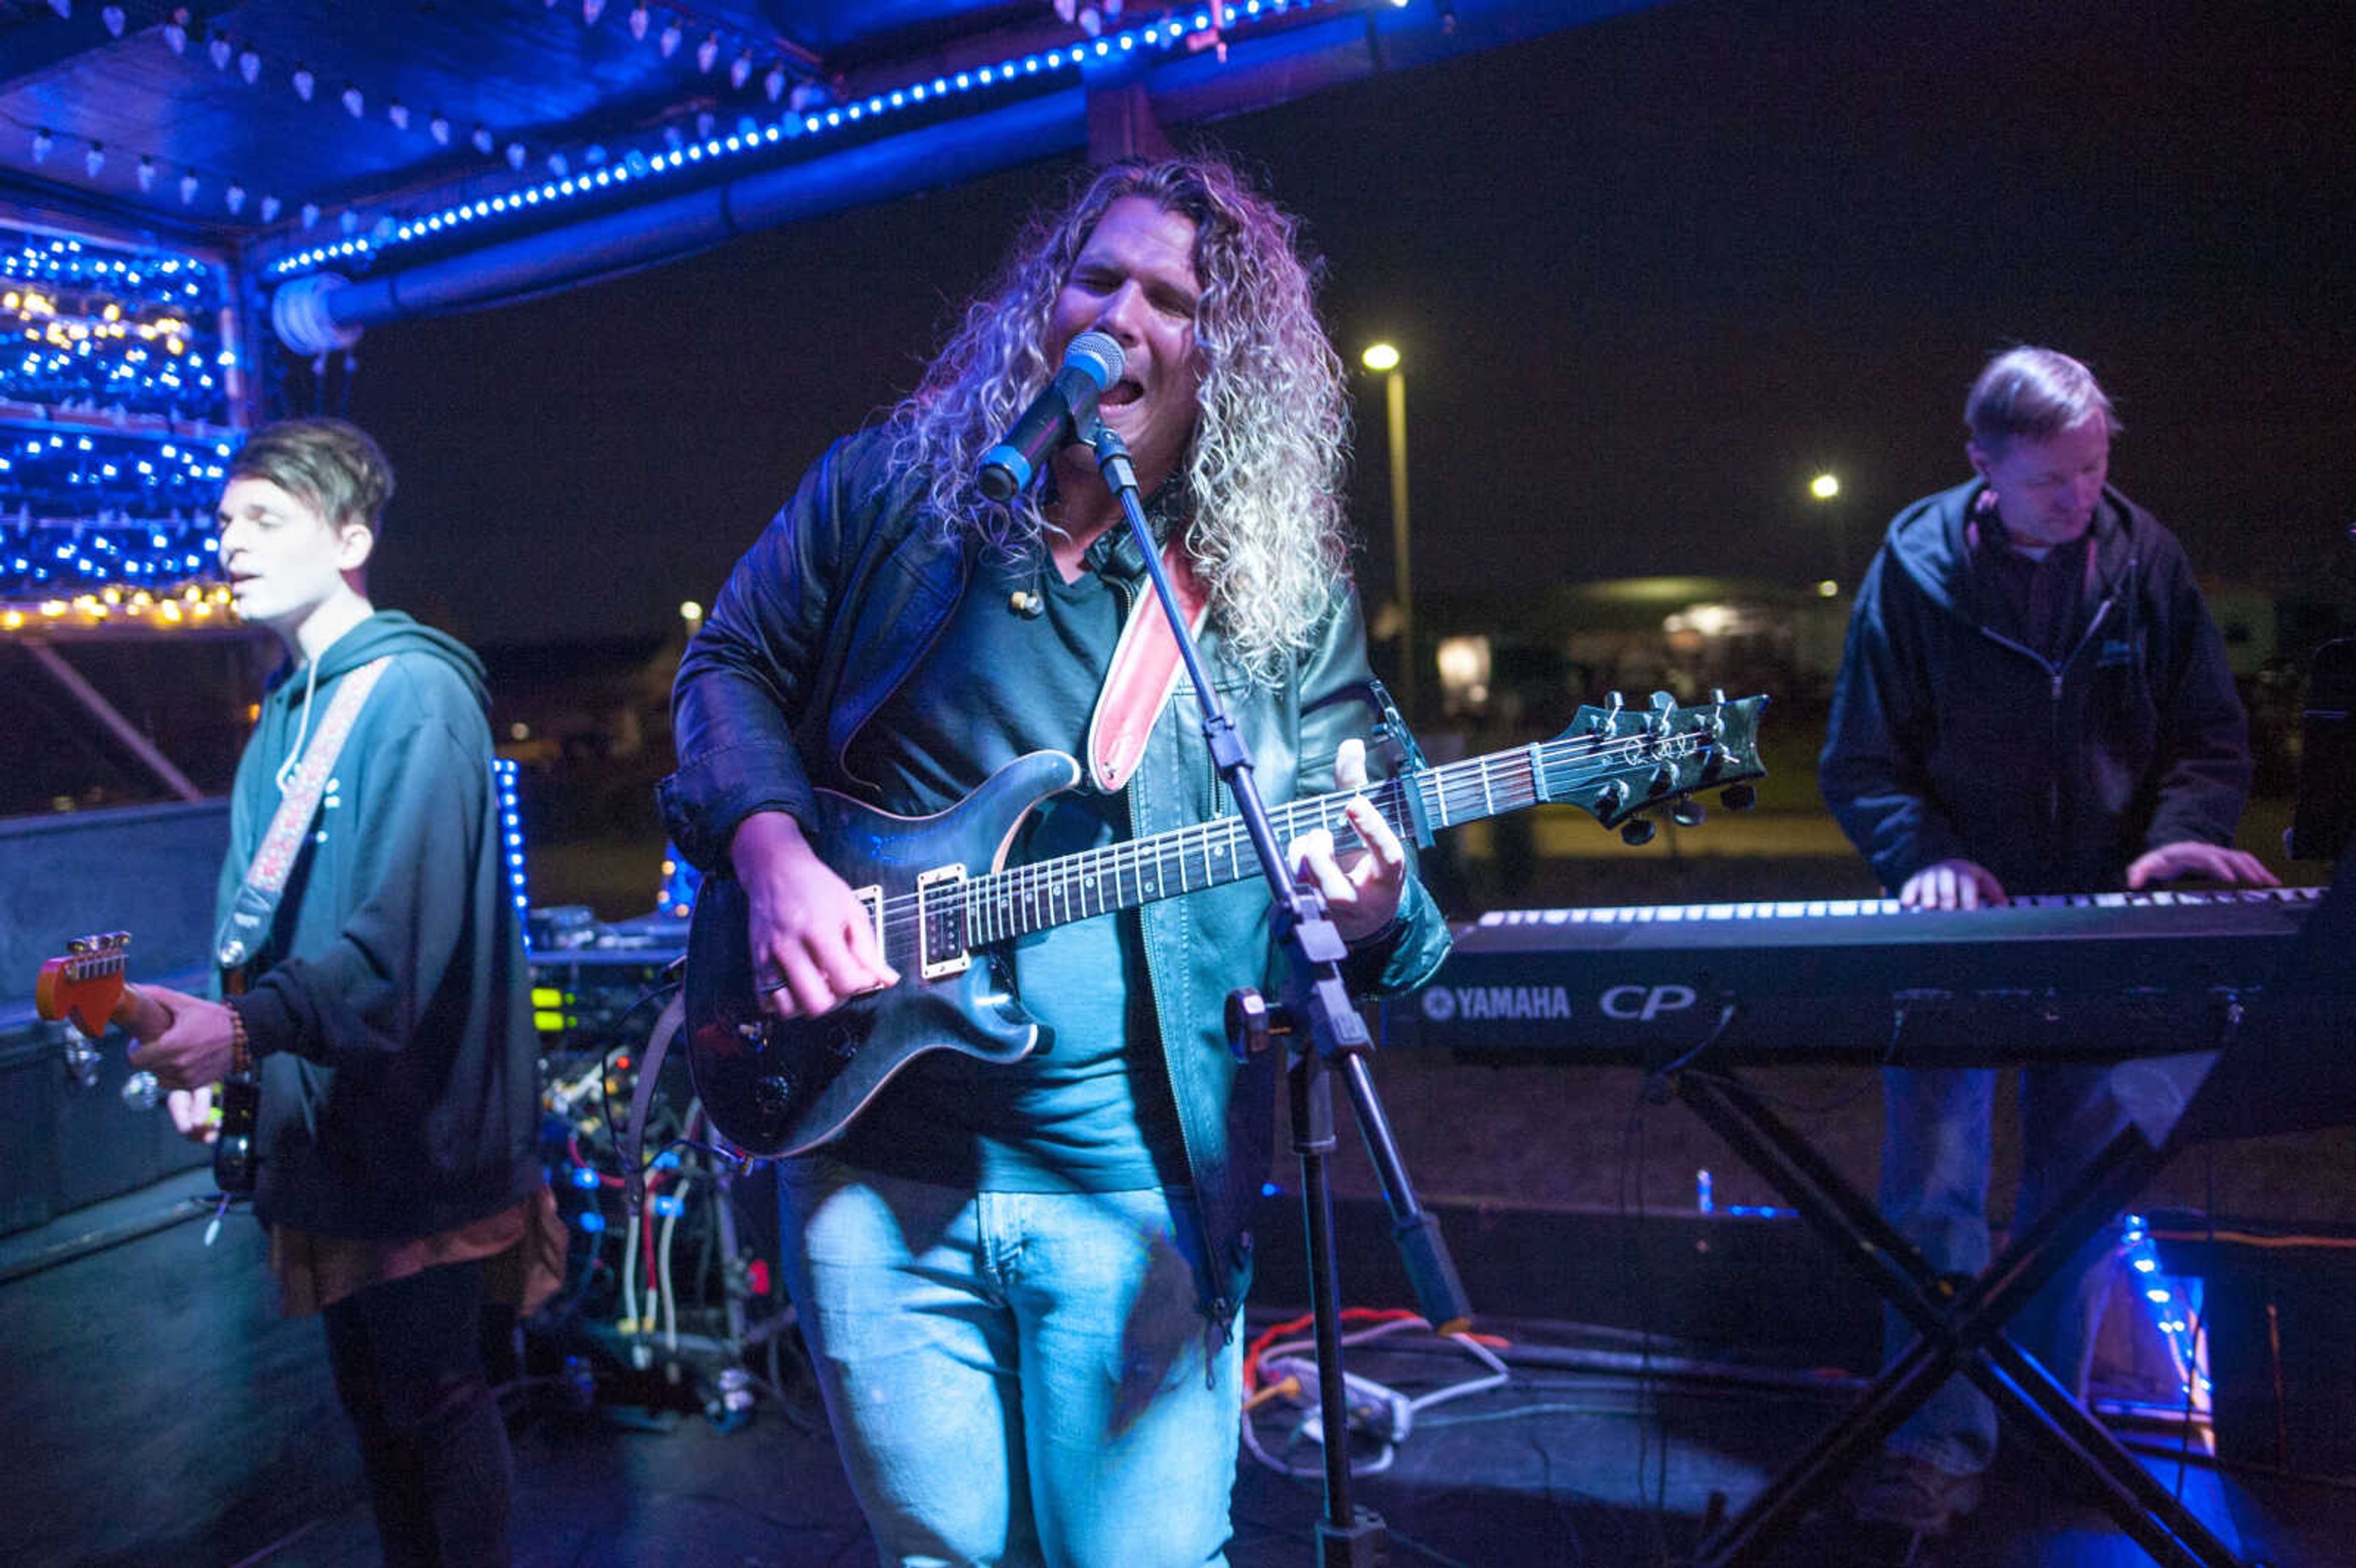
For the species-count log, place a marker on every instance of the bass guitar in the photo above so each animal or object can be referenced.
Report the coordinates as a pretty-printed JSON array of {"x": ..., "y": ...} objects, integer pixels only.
[
  {"x": 941, "y": 899},
  {"x": 84, "y": 987}
]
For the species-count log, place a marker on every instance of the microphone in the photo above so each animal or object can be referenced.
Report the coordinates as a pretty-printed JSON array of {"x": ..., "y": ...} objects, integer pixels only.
[{"x": 1054, "y": 417}]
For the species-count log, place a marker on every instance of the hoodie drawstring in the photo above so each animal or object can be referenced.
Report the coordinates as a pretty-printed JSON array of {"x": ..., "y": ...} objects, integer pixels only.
[{"x": 286, "y": 772}]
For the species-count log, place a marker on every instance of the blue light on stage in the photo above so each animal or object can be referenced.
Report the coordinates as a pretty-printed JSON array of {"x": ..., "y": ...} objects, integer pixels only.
[
  {"x": 1164, "y": 34},
  {"x": 503, "y": 773},
  {"x": 2175, "y": 1307}
]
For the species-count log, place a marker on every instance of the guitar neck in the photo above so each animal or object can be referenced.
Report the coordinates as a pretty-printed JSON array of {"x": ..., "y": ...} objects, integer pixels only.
[
  {"x": 86, "y": 986},
  {"x": 141, "y": 1015},
  {"x": 1024, "y": 898}
]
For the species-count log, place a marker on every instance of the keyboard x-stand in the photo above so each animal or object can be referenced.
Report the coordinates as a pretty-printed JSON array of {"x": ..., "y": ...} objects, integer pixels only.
[
  {"x": 1690, "y": 992},
  {"x": 1959, "y": 1329}
]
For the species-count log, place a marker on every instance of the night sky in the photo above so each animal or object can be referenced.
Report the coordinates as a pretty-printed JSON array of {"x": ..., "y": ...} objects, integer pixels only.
[{"x": 1649, "y": 275}]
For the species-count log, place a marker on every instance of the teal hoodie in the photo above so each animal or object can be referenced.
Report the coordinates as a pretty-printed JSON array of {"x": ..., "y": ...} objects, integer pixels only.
[{"x": 389, "y": 1006}]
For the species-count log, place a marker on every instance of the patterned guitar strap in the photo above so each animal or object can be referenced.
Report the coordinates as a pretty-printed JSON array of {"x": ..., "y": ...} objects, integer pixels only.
[
  {"x": 248, "y": 924},
  {"x": 265, "y": 878}
]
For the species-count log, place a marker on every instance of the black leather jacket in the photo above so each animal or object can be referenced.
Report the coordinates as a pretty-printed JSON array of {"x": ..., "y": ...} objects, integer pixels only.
[{"x": 832, "y": 610}]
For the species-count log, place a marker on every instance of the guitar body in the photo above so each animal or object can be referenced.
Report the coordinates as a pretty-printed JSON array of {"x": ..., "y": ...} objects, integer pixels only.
[
  {"x": 781, "y": 1086},
  {"x": 944, "y": 905}
]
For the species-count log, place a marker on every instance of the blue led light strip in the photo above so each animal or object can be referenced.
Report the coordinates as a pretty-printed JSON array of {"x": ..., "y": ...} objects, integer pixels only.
[
  {"x": 1163, "y": 34},
  {"x": 2175, "y": 1309},
  {"x": 503, "y": 772}
]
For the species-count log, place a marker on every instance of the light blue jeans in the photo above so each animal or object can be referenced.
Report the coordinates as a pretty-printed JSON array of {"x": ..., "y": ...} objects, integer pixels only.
[
  {"x": 1935, "y": 1183},
  {"x": 1016, "y": 1380}
]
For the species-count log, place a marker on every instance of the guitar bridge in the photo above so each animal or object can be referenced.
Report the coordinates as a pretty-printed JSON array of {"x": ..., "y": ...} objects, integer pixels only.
[{"x": 940, "y": 923}]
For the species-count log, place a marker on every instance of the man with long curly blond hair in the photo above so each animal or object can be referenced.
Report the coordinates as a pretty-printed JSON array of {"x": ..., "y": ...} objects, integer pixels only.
[{"x": 1020, "y": 1282}]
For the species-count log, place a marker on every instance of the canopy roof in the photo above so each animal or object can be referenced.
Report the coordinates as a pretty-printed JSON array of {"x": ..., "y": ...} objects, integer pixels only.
[{"x": 288, "y": 137}]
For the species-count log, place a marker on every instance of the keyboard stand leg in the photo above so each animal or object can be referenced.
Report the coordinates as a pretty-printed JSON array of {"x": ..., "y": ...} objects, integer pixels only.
[{"x": 1956, "y": 1332}]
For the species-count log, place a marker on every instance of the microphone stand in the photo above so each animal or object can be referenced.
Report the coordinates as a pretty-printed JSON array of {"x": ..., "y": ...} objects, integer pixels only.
[{"x": 1315, "y": 1002}]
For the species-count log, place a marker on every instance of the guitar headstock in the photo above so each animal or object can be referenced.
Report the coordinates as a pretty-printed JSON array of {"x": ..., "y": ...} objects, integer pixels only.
[
  {"x": 1617, "y": 761},
  {"x": 84, "y": 983}
]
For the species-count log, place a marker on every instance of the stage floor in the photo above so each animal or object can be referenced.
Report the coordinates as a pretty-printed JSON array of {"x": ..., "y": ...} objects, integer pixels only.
[{"x": 162, "y": 1414}]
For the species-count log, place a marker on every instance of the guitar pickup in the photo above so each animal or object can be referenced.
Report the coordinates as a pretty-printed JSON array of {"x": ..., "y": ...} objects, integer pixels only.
[
  {"x": 940, "y": 923},
  {"x": 871, "y": 899}
]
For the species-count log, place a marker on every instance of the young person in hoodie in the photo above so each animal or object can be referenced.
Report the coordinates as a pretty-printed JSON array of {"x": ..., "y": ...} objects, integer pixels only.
[
  {"x": 387, "y": 1006},
  {"x": 2033, "y": 700}
]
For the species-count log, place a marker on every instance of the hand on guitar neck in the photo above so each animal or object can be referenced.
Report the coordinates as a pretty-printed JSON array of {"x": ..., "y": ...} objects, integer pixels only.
[
  {"x": 183, "y": 1041},
  {"x": 1361, "y": 887}
]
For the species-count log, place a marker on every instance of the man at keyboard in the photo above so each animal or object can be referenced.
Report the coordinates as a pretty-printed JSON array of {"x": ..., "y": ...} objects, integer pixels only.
[{"x": 2033, "y": 700}]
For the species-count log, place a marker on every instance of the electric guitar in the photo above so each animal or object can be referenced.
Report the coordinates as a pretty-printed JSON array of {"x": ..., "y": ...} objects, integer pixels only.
[
  {"x": 941, "y": 897},
  {"x": 85, "y": 986}
]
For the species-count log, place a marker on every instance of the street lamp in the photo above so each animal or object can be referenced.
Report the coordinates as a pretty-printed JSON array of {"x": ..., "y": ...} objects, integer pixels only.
[
  {"x": 1384, "y": 359},
  {"x": 1826, "y": 488}
]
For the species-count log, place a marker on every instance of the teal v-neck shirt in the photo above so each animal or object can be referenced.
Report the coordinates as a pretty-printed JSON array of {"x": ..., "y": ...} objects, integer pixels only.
[{"x": 1091, "y": 1111}]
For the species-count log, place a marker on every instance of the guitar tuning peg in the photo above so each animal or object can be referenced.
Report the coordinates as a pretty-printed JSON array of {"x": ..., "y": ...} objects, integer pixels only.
[
  {"x": 1688, "y": 812},
  {"x": 1638, "y": 831},
  {"x": 1612, "y": 703},
  {"x": 1737, "y": 797},
  {"x": 1718, "y": 697}
]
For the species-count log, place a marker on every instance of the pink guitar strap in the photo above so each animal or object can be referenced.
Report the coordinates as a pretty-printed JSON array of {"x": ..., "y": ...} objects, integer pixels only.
[
  {"x": 265, "y": 878},
  {"x": 1145, "y": 670}
]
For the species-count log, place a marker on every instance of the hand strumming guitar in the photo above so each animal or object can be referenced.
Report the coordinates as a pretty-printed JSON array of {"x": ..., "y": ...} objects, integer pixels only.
[{"x": 812, "y": 945}]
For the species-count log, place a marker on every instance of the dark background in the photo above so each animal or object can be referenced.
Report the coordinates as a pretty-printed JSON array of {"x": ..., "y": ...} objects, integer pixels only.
[{"x": 1649, "y": 275}]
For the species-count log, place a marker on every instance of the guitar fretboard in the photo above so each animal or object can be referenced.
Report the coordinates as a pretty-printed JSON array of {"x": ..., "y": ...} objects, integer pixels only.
[{"x": 1024, "y": 898}]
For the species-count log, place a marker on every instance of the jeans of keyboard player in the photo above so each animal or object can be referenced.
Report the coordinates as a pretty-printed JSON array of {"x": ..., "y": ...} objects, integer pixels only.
[{"x": 1936, "y": 1158}]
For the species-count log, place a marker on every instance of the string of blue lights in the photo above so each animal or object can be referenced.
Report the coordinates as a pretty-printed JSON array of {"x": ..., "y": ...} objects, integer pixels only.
[
  {"x": 115, "y": 426},
  {"x": 1164, "y": 34}
]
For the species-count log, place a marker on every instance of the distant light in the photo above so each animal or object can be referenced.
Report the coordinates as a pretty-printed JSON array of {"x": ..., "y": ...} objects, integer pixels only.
[
  {"x": 691, "y": 612},
  {"x": 1380, "y": 356},
  {"x": 1824, "y": 486},
  {"x": 1828, "y": 589}
]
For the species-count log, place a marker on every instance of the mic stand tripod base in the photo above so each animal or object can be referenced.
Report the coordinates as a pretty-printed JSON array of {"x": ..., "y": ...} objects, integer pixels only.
[{"x": 1362, "y": 1544}]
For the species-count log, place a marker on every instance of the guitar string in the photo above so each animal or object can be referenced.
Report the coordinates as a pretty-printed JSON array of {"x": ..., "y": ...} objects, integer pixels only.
[
  {"x": 979, "y": 899},
  {"x": 1019, "y": 888},
  {"x": 1024, "y": 886},
  {"x": 1030, "y": 888}
]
